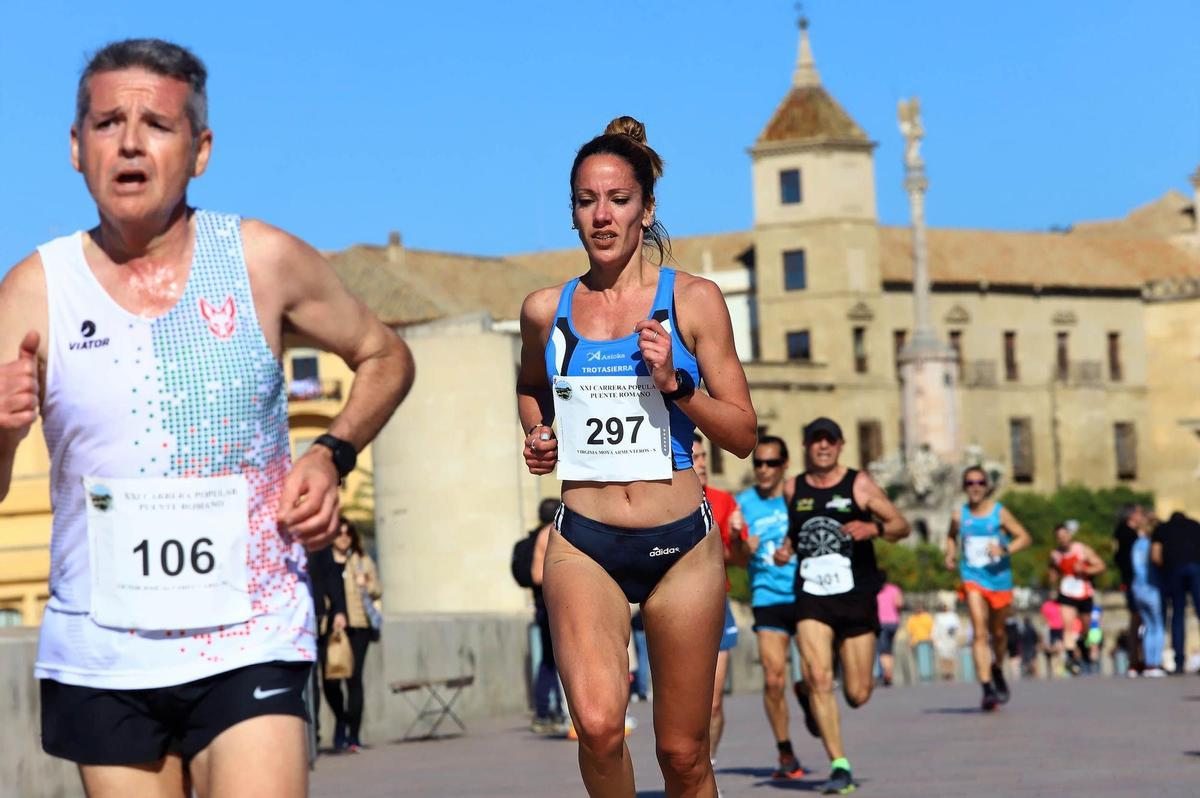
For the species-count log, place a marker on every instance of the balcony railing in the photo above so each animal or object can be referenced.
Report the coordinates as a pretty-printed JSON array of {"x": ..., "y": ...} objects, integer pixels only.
[{"x": 311, "y": 390}]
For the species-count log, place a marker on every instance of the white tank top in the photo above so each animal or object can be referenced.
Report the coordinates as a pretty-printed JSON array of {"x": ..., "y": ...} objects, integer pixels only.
[{"x": 196, "y": 392}]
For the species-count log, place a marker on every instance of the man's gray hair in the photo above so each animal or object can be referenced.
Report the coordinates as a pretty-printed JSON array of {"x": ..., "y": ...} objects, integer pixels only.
[{"x": 156, "y": 56}]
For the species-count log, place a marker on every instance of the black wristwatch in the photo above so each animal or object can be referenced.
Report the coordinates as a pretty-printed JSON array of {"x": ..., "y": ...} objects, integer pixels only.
[
  {"x": 344, "y": 453},
  {"x": 685, "y": 388}
]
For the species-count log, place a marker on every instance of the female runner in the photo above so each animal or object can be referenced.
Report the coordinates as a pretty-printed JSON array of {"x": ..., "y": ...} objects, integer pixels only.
[{"x": 617, "y": 356}]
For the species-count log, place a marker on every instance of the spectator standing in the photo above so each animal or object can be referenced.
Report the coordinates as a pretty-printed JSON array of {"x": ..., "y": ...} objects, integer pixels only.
[
  {"x": 359, "y": 583},
  {"x": 1131, "y": 518},
  {"x": 946, "y": 626},
  {"x": 329, "y": 602},
  {"x": 1145, "y": 586},
  {"x": 920, "y": 640},
  {"x": 889, "y": 600},
  {"x": 1175, "y": 548}
]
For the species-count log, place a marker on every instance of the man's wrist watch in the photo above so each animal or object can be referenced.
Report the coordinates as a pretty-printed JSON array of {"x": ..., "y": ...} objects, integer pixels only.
[
  {"x": 344, "y": 454},
  {"x": 879, "y": 528},
  {"x": 685, "y": 386}
]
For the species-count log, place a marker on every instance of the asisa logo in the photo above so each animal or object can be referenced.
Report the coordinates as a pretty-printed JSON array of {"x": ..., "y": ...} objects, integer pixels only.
[{"x": 220, "y": 320}]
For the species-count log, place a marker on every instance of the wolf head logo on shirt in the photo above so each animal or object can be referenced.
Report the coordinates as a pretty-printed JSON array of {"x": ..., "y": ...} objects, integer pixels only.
[{"x": 220, "y": 320}]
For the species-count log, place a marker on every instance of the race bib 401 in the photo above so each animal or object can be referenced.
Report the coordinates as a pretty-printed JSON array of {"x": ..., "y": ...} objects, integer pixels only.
[
  {"x": 168, "y": 553},
  {"x": 611, "y": 429}
]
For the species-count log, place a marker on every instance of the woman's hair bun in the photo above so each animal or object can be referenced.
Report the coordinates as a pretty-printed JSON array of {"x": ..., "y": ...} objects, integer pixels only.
[{"x": 628, "y": 126}]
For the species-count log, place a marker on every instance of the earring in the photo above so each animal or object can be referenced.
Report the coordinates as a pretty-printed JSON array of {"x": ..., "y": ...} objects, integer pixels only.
[{"x": 573, "y": 226}]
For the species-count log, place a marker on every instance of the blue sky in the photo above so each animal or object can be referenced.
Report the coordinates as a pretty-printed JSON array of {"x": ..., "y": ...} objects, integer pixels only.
[{"x": 455, "y": 123}]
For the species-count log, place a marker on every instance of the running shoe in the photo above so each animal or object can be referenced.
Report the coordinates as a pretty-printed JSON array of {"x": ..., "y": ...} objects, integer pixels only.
[
  {"x": 810, "y": 720},
  {"x": 789, "y": 768},
  {"x": 990, "y": 699},
  {"x": 1154, "y": 673},
  {"x": 840, "y": 783},
  {"x": 1002, "y": 694}
]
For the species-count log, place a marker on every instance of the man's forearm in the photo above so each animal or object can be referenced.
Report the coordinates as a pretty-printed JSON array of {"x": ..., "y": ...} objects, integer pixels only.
[
  {"x": 894, "y": 529},
  {"x": 380, "y": 384}
]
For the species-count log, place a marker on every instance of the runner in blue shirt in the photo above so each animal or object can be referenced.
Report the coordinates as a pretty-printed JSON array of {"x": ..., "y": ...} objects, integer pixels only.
[{"x": 772, "y": 588}]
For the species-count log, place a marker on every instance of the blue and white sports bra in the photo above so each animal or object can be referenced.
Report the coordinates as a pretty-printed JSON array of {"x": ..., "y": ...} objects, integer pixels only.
[{"x": 568, "y": 354}]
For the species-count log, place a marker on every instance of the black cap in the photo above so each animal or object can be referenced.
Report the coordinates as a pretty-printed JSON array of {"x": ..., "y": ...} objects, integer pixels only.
[{"x": 822, "y": 424}]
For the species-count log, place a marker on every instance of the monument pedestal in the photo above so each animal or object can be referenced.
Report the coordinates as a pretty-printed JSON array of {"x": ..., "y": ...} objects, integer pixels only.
[{"x": 929, "y": 402}]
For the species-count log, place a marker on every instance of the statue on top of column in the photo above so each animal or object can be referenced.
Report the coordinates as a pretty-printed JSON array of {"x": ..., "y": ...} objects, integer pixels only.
[{"x": 913, "y": 132}]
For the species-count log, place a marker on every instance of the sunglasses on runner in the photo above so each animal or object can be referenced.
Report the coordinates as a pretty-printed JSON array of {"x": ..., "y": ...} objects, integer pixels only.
[
  {"x": 774, "y": 462},
  {"x": 978, "y": 483}
]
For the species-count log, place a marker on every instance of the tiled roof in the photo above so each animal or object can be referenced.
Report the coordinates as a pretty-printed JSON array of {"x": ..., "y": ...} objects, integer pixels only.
[
  {"x": 1170, "y": 214},
  {"x": 424, "y": 285},
  {"x": 1034, "y": 259},
  {"x": 808, "y": 114}
]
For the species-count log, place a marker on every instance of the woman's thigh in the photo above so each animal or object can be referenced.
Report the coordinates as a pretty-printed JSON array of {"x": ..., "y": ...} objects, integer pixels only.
[
  {"x": 684, "y": 616},
  {"x": 589, "y": 622}
]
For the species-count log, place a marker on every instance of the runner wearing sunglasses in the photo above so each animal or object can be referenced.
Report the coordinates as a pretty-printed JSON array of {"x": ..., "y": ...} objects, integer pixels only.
[
  {"x": 990, "y": 534},
  {"x": 834, "y": 515}
]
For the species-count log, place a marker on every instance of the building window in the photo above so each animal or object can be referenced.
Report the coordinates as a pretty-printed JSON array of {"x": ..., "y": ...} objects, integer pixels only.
[
  {"x": 1115, "y": 372},
  {"x": 870, "y": 442},
  {"x": 799, "y": 347},
  {"x": 956, "y": 345},
  {"x": 860, "y": 350},
  {"x": 789, "y": 186},
  {"x": 1125, "y": 438},
  {"x": 795, "y": 276},
  {"x": 304, "y": 367},
  {"x": 899, "y": 337},
  {"x": 1011, "y": 373},
  {"x": 1020, "y": 435},
  {"x": 1062, "y": 357}
]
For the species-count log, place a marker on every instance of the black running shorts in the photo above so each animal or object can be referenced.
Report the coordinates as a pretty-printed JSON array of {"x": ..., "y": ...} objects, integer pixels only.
[
  {"x": 93, "y": 726},
  {"x": 1082, "y": 605},
  {"x": 775, "y": 618},
  {"x": 848, "y": 614}
]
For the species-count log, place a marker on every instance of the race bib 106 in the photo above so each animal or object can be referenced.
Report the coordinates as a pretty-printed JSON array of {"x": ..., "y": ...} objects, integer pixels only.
[
  {"x": 827, "y": 574},
  {"x": 611, "y": 429},
  {"x": 168, "y": 553}
]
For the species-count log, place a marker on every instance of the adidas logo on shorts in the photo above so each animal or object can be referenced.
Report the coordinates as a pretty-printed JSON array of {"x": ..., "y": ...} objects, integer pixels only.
[{"x": 657, "y": 552}]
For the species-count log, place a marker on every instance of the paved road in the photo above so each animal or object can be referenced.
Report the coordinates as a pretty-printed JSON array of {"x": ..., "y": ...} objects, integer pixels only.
[{"x": 1097, "y": 736}]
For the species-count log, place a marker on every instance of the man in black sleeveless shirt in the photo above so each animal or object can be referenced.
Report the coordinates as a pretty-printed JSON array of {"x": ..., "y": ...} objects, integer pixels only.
[{"x": 834, "y": 513}]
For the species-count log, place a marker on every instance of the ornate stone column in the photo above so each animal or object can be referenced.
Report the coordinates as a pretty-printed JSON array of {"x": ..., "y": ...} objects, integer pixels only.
[{"x": 930, "y": 405}]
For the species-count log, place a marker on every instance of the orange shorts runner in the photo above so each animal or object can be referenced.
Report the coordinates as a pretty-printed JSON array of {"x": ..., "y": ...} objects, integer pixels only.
[{"x": 998, "y": 599}]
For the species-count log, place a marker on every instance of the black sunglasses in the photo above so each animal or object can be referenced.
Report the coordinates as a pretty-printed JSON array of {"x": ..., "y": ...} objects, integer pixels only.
[
  {"x": 774, "y": 462},
  {"x": 981, "y": 483}
]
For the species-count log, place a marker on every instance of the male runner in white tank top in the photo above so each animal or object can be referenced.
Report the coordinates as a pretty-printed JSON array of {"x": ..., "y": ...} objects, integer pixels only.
[{"x": 179, "y": 631}]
